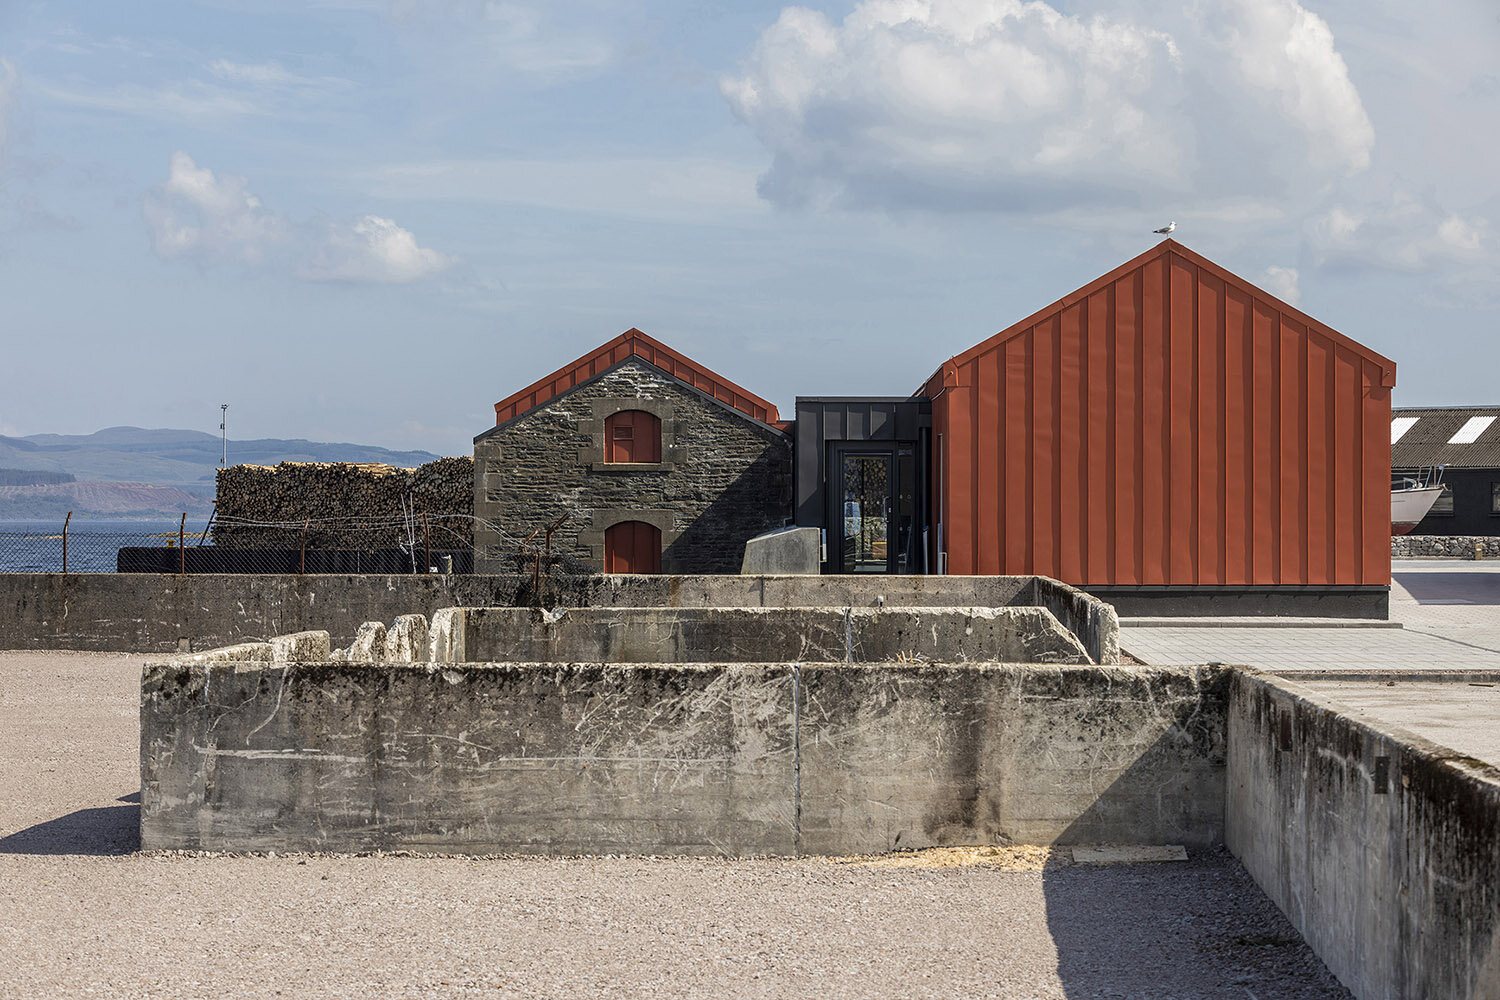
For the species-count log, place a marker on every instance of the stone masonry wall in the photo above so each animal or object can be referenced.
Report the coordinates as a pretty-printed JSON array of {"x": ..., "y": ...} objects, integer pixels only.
[
  {"x": 1453, "y": 546},
  {"x": 723, "y": 478}
]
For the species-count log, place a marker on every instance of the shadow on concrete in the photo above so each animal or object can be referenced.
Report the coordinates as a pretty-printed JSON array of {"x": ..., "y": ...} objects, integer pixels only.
[
  {"x": 1451, "y": 588},
  {"x": 1173, "y": 929},
  {"x": 106, "y": 831}
]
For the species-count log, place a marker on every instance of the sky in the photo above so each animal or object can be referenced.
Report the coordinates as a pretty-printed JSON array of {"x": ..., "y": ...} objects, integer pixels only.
[{"x": 369, "y": 221}]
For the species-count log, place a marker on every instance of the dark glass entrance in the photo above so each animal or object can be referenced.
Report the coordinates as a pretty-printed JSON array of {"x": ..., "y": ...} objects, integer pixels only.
[
  {"x": 861, "y": 476},
  {"x": 873, "y": 519},
  {"x": 866, "y": 488}
]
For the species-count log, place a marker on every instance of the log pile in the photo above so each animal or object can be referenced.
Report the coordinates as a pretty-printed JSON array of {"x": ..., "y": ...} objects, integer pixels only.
[{"x": 343, "y": 505}]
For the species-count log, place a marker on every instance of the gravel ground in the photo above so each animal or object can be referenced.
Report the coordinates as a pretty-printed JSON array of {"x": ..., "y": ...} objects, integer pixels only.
[{"x": 83, "y": 914}]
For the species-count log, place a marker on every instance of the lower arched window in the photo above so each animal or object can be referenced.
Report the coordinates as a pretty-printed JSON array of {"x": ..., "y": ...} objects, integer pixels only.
[{"x": 632, "y": 547}]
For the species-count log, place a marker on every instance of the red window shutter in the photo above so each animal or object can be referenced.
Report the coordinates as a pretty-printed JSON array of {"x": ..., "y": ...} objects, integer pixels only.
[{"x": 632, "y": 436}]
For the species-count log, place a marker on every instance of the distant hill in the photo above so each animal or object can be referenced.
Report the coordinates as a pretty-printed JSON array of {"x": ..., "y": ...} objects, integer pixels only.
[
  {"x": 188, "y": 459},
  {"x": 108, "y": 501},
  {"x": 131, "y": 472},
  {"x": 29, "y": 477}
]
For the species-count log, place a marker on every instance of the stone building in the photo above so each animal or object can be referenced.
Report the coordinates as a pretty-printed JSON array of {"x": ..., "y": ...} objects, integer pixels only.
[{"x": 644, "y": 460}]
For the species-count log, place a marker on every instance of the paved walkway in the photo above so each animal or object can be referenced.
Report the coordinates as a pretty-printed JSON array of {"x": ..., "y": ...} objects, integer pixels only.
[{"x": 1449, "y": 610}]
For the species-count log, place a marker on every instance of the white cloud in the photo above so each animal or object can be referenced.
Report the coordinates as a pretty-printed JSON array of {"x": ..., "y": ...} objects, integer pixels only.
[
  {"x": 192, "y": 100},
  {"x": 1401, "y": 233},
  {"x": 207, "y": 217},
  {"x": 555, "y": 40},
  {"x": 1012, "y": 104},
  {"x": 196, "y": 213},
  {"x": 679, "y": 189},
  {"x": 1283, "y": 283},
  {"x": 272, "y": 74},
  {"x": 373, "y": 250}
]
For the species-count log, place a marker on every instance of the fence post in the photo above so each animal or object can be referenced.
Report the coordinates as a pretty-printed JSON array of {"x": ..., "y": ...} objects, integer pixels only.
[
  {"x": 426, "y": 544},
  {"x": 182, "y": 545},
  {"x": 65, "y": 542},
  {"x": 302, "y": 568}
]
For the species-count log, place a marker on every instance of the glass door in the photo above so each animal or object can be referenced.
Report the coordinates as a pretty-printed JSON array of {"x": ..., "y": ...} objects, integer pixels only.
[{"x": 867, "y": 491}]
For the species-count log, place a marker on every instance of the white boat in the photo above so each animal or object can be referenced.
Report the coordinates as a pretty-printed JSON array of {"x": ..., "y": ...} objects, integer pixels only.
[{"x": 1412, "y": 497}]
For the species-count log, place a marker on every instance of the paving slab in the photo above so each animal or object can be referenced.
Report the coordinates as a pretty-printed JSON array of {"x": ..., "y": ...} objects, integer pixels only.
[{"x": 1449, "y": 613}]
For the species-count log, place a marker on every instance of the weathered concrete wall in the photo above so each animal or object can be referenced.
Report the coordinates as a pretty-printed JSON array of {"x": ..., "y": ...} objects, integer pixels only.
[
  {"x": 758, "y": 635},
  {"x": 1380, "y": 846},
  {"x": 784, "y": 551},
  {"x": 729, "y": 759},
  {"x": 155, "y": 613}
]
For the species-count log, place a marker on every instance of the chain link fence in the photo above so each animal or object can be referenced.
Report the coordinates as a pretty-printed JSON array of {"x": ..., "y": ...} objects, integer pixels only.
[{"x": 412, "y": 543}]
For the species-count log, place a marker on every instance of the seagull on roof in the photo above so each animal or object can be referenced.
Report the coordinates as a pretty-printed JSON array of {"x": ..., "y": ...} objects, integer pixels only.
[{"x": 1166, "y": 230}]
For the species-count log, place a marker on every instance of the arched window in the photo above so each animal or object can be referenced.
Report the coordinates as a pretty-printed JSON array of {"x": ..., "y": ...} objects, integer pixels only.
[
  {"x": 632, "y": 547},
  {"x": 632, "y": 436}
]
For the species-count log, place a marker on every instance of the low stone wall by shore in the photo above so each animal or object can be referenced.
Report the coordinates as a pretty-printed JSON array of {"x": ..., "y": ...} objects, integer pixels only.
[{"x": 1445, "y": 546}]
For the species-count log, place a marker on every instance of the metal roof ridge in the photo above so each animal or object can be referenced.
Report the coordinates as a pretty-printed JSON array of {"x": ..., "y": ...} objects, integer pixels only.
[
  {"x": 631, "y": 338},
  {"x": 1163, "y": 248}
]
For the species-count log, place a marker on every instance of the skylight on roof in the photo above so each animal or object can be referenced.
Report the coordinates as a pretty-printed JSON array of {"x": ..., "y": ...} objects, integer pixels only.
[
  {"x": 1400, "y": 425},
  {"x": 1470, "y": 431}
]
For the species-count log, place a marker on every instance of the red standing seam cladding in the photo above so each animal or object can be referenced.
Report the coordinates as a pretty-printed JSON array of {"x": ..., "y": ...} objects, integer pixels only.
[{"x": 1170, "y": 423}]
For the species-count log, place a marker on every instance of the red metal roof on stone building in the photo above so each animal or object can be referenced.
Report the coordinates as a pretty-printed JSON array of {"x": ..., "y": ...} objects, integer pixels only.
[{"x": 634, "y": 343}]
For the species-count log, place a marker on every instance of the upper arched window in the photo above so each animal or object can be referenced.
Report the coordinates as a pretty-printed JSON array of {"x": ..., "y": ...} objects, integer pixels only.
[{"x": 632, "y": 436}]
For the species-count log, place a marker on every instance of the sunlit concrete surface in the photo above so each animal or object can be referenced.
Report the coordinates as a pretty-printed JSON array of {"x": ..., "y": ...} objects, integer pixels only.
[{"x": 1449, "y": 611}]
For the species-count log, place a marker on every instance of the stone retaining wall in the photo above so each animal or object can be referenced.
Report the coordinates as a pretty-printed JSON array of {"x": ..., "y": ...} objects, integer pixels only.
[{"x": 1451, "y": 546}]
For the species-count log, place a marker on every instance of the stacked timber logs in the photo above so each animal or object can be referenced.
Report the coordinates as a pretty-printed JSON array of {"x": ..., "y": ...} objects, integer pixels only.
[{"x": 343, "y": 505}]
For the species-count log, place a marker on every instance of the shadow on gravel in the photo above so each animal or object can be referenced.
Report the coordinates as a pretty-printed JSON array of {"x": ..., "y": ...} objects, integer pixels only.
[
  {"x": 1172, "y": 930},
  {"x": 109, "y": 830}
]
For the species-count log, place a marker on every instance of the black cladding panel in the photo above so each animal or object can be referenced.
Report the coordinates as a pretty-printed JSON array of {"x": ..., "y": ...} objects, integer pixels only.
[{"x": 821, "y": 420}]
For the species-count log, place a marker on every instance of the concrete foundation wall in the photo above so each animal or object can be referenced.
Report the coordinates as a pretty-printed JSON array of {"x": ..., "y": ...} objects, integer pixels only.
[
  {"x": 758, "y": 635},
  {"x": 156, "y": 613},
  {"x": 731, "y": 759},
  {"x": 1381, "y": 847}
]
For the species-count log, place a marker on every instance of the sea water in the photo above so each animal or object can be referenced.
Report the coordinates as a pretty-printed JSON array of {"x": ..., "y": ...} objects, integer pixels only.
[{"x": 93, "y": 546}]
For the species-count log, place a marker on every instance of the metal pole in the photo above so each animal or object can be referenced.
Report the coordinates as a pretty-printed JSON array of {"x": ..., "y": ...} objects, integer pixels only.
[
  {"x": 182, "y": 545},
  {"x": 426, "y": 543},
  {"x": 303, "y": 568},
  {"x": 65, "y": 542},
  {"x": 224, "y": 434}
]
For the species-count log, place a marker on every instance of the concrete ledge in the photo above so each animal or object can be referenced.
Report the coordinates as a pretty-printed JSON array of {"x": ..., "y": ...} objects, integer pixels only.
[
  {"x": 1378, "y": 845},
  {"x": 784, "y": 551},
  {"x": 758, "y": 635},
  {"x": 731, "y": 759},
  {"x": 151, "y": 613}
]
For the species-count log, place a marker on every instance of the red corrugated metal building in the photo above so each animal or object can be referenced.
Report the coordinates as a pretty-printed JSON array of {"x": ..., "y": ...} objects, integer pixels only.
[{"x": 1172, "y": 438}]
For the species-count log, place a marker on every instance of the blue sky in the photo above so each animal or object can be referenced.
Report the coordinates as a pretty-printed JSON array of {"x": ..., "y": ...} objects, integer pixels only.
[{"x": 370, "y": 220}]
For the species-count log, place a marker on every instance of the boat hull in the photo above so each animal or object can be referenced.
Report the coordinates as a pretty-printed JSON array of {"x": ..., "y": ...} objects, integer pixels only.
[{"x": 1408, "y": 507}]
